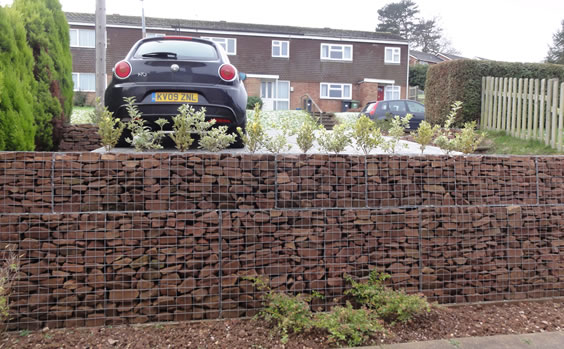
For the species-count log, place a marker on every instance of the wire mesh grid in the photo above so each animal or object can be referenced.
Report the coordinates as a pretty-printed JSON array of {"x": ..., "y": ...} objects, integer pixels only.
[{"x": 159, "y": 237}]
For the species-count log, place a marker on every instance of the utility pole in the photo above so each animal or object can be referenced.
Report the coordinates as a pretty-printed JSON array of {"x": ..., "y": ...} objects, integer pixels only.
[
  {"x": 100, "y": 49},
  {"x": 143, "y": 33}
]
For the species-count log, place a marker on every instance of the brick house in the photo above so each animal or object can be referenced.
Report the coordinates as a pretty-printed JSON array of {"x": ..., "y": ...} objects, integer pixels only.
[
  {"x": 285, "y": 65},
  {"x": 418, "y": 57}
]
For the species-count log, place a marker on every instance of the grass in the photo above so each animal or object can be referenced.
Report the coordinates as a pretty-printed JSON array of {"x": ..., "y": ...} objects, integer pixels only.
[
  {"x": 501, "y": 143},
  {"x": 80, "y": 115}
]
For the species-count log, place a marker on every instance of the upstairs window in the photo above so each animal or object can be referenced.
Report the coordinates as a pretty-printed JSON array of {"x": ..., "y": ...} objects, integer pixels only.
[
  {"x": 82, "y": 38},
  {"x": 337, "y": 52},
  {"x": 280, "y": 49},
  {"x": 335, "y": 91},
  {"x": 392, "y": 55},
  {"x": 228, "y": 44}
]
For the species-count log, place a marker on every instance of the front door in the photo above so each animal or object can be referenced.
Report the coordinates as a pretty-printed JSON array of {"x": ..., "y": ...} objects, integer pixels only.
[
  {"x": 380, "y": 93},
  {"x": 275, "y": 95},
  {"x": 267, "y": 94}
]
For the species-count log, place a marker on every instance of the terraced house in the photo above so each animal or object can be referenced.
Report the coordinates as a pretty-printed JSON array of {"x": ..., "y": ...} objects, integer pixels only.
[{"x": 288, "y": 67}]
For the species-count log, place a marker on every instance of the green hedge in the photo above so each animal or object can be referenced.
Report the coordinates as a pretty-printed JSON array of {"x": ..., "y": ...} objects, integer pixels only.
[
  {"x": 48, "y": 35},
  {"x": 461, "y": 80},
  {"x": 17, "y": 85}
]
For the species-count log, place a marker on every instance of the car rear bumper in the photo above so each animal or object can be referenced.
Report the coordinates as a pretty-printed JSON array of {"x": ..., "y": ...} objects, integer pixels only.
[{"x": 220, "y": 101}]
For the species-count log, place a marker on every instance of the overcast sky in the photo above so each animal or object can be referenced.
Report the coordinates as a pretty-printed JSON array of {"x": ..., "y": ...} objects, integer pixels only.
[{"x": 508, "y": 30}]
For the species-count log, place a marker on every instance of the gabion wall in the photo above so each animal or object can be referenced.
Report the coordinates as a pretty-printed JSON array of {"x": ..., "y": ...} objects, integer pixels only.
[{"x": 133, "y": 238}]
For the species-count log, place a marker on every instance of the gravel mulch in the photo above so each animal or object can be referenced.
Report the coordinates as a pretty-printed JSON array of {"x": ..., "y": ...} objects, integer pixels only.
[{"x": 440, "y": 323}]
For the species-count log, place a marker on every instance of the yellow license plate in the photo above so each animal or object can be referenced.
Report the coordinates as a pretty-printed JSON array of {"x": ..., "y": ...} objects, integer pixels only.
[{"x": 174, "y": 97}]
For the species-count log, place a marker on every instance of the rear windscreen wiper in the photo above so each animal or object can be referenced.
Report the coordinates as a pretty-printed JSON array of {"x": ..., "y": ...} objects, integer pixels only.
[{"x": 170, "y": 55}]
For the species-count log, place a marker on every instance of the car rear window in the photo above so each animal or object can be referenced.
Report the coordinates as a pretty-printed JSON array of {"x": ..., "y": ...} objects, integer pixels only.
[{"x": 184, "y": 49}]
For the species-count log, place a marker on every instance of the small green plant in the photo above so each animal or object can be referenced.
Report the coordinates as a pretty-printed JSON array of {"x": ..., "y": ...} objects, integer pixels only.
[
  {"x": 397, "y": 130},
  {"x": 288, "y": 313},
  {"x": 390, "y": 305},
  {"x": 334, "y": 141},
  {"x": 109, "y": 128},
  {"x": 467, "y": 140},
  {"x": 348, "y": 325},
  {"x": 445, "y": 139},
  {"x": 255, "y": 135},
  {"x": 454, "y": 343},
  {"x": 8, "y": 271},
  {"x": 142, "y": 138},
  {"x": 305, "y": 135},
  {"x": 366, "y": 135},
  {"x": 24, "y": 333},
  {"x": 425, "y": 134},
  {"x": 276, "y": 144},
  {"x": 183, "y": 126},
  {"x": 216, "y": 139}
]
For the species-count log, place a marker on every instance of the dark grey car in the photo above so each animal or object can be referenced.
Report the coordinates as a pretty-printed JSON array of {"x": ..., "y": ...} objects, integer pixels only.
[{"x": 383, "y": 109}]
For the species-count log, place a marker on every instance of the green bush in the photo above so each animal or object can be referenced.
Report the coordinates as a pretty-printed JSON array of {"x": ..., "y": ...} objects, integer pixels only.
[
  {"x": 461, "y": 80},
  {"x": 418, "y": 75},
  {"x": 252, "y": 101},
  {"x": 288, "y": 313},
  {"x": 390, "y": 305},
  {"x": 348, "y": 325},
  {"x": 109, "y": 128},
  {"x": 47, "y": 33},
  {"x": 17, "y": 86}
]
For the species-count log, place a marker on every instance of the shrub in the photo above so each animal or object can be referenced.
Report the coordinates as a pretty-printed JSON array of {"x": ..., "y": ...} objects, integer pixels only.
[
  {"x": 334, "y": 141},
  {"x": 418, "y": 75},
  {"x": 467, "y": 140},
  {"x": 8, "y": 272},
  {"x": 425, "y": 134},
  {"x": 216, "y": 139},
  {"x": 142, "y": 138},
  {"x": 183, "y": 125},
  {"x": 289, "y": 314},
  {"x": 445, "y": 138},
  {"x": 252, "y": 101},
  {"x": 461, "y": 80},
  {"x": 397, "y": 130},
  {"x": 109, "y": 128},
  {"x": 276, "y": 144},
  {"x": 17, "y": 125},
  {"x": 348, "y": 325},
  {"x": 48, "y": 35},
  {"x": 255, "y": 135},
  {"x": 366, "y": 135},
  {"x": 390, "y": 305},
  {"x": 305, "y": 135},
  {"x": 79, "y": 99}
]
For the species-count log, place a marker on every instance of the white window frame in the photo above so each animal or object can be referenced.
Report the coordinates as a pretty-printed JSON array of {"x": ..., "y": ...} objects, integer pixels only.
[
  {"x": 76, "y": 32},
  {"x": 78, "y": 88},
  {"x": 333, "y": 48},
  {"x": 154, "y": 35},
  {"x": 223, "y": 42},
  {"x": 280, "y": 45},
  {"x": 392, "y": 89},
  {"x": 396, "y": 53},
  {"x": 329, "y": 89}
]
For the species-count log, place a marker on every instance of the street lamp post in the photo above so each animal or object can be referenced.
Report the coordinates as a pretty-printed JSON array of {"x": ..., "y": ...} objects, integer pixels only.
[{"x": 143, "y": 33}]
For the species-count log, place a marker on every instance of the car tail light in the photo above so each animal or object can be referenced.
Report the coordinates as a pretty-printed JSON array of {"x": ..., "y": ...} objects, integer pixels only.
[
  {"x": 221, "y": 121},
  {"x": 227, "y": 72},
  {"x": 122, "y": 69},
  {"x": 373, "y": 109}
]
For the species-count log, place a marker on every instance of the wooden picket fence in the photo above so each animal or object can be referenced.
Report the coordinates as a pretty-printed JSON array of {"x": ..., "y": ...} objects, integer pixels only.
[{"x": 524, "y": 108}]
